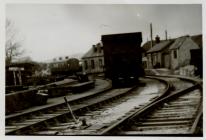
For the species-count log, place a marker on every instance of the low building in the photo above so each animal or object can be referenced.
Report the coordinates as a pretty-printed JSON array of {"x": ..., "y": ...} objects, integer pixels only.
[
  {"x": 93, "y": 60},
  {"x": 180, "y": 54},
  {"x": 145, "y": 48},
  {"x": 158, "y": 55},
  {"x": 175, "y": 53},
  {"x": 18, "y": 73}
]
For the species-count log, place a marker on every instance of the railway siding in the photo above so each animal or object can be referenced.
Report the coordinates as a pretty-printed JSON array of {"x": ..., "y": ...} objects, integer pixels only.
[
  {"x": 101, "y": 86},
  {"x": 53, "y": 116}
]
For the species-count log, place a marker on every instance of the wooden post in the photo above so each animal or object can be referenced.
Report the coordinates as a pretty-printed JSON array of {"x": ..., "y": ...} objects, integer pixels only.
[
  {"x": 69, "y": 108},
  {"x": 20, "y": 79},
  {"x": 17, "y": 74},
  {"x": 14, "y": 78}
]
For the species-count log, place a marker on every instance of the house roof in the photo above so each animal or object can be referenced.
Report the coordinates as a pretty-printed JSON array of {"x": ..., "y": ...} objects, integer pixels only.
[
  {"x": 160, "y": 46},
  {"x": 178, "y": 42},
  {"x": 197, "y": 39},
  {"x": 147, "y": 45},
  {"x": 92, "y": 53}
]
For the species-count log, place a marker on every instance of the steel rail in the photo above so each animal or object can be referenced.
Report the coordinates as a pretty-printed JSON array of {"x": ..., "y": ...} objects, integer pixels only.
[
  {"x": 74, "y": 110},
  {"x": 154, "y": 104},
  {"x": 46, "y": 107},
  {"x": 109, "y": 98}
]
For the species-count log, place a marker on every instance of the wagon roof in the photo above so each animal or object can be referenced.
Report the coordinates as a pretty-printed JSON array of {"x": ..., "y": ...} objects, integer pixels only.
[{"x": 123, "y": 36}]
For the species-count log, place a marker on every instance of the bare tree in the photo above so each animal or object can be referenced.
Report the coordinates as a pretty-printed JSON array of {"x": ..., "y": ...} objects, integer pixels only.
[{"x": 13, "y": 46}]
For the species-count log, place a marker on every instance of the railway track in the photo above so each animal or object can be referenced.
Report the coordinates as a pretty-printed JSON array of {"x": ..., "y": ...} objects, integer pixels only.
[
  {"x": 179, "y": 113},
  {"x": 23, "y": 116},
  {"x": 57, "y": 120}
]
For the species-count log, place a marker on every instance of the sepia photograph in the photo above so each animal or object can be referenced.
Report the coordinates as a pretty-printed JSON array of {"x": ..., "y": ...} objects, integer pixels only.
[{"x": 103, "y": 70}]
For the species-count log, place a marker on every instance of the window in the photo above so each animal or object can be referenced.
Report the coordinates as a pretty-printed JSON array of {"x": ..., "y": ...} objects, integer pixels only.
[
  {"x": 92, "y": 64},
  {"x": 56, "y": 65},
  {"x": 86, "y": 64},
  {"x": 175, "y": 53},
  {"x": 100, "y": 63}
]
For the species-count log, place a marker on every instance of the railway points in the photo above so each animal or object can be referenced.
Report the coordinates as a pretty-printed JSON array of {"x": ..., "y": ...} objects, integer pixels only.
[{"x": 96, "y": 102}]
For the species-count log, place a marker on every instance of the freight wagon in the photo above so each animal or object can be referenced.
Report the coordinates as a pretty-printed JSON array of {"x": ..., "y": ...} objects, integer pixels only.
[{"x": 123, "y": 58}]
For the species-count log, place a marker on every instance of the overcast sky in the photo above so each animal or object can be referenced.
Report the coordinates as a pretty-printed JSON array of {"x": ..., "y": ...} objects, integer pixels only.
[{"x": 50, "y": 30}]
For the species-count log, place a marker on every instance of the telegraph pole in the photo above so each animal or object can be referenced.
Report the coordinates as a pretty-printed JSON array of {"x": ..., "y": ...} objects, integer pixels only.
[{"x": 151, "y": 35}]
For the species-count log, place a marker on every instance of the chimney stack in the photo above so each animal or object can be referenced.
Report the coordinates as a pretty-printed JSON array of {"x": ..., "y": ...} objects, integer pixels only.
[
  {"x": 94, "y": 48},
  {"x": 157, "y": 39}
]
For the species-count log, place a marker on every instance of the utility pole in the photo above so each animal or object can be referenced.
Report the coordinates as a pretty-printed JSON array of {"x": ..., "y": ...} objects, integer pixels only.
[
  {"x": 165, "y": 34},
  {"x": 151, "y": 35}
]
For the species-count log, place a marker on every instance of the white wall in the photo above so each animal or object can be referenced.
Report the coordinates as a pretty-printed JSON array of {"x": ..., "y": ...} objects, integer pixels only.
[
  {"x": 174, "y": 61},
  {"x": 97, "y": 68},
  {"x": 183, "y": 54}
]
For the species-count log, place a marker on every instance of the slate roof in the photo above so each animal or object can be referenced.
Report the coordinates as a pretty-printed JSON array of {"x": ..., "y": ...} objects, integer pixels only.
[
  {"x": 178, "y": 42},
  {"x": 92, "y": 53},
  {"x": 160, "y": 46},
  {"x": 147, "y": 45}
]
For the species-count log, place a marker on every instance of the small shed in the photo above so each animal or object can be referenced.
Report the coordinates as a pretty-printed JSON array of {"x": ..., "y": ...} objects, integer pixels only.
[
  {"x": 180, "y": 54},
  {"x": 158, "y": 55},
  {"x": 17, "y": 73}
]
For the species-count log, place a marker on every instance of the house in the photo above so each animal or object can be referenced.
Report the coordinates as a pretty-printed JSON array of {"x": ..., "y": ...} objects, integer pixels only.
[
  {"x": 93, "y": 60},
  {"x": 158, "y": 55},
  {"x": 148, "y": 45},
  {"x": 180, "y": 51},
  {"x": 145, "y": 48}
]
